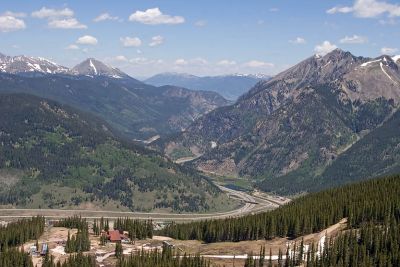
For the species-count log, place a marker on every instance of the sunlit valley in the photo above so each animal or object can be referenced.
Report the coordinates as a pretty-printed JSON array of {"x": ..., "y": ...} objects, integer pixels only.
[{"x": 200, "y": 134}]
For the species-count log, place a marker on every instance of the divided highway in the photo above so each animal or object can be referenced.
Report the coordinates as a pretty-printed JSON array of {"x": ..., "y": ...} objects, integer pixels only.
[{"x": 250, "y": 205}]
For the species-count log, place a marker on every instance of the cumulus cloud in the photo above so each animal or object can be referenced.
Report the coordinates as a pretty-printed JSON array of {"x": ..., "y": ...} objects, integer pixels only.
[
  {"x": 226, "y": 62},
  {"x": 10, "y": 24},
  {"x": 156, "y": 40},
  {"x": 72, "y": 47},
  {"x": 130, "y": 41},
  {"x": 257, "y": 64},
  {"x": 154, "y": 16},
  {"x": 298, "y": 40},
  {"x": 105, "y": 16},
  {"x": 87, "y": 40},
  {"x": 368, "y": 9},
  {"x": 355, "y": 39},
  {"x": 69, "y": 23},
  {"x": 389, "y": 50},
  {"x": 200, "y": 23},
  {"x": 59, "y": 18},
  {"x": 324, "y": 48},
  {"x": 45, "y": 12}
]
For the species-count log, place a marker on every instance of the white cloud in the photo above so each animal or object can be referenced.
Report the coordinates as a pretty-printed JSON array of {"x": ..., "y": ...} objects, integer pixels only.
[
  {"x": 104, "y": 16},
  {"x": 368, "y": 9},
  {"x": 87, "y": 40},
  {"x": 180, "y": 62},
  {"x": 145, "y": 61},
  {"x": 389, "y": 50},
  {"x": 257, "y": 64},
  {"x": 45, "y": 12},
  {"x": 131, "y": 41},
  {"x": 274, "y": 9},
  {"x": 156, "y": 40},
  {"x": 121, "y": 58},
  {"x": 10, "y": 24},
  {"x": 154, "y": 16},
  {"x": 298, "y": 40},
  {"x": 324, "y": 48},
  {"x": 72, "y": 47},
  {"x": 14, "y": 14},
  {"x": 339, "y": 9},
  {"x": 200, "y": 23},
  {"x": 59, "y": 18},
  {"x": 226, "y": 62},
  {"x": 69, "y": 23},
  {"x": 355, "y": 39}
]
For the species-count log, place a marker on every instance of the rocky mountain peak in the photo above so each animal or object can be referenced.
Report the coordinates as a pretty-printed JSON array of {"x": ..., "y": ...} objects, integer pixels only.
[
  {"x": 25, "y": 65},
  {"x": 94, "y": 67}
]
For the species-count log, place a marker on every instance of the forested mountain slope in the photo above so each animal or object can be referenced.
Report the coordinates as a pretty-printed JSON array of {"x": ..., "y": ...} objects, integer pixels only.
[
  {"x": 375, "y": 201},
  {"x": 54, "y": 156},
  {"x": 138, "y": 110}
]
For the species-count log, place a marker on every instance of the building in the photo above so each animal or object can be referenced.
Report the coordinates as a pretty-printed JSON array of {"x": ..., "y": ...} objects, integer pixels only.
[{"x": 114, "y": 236}]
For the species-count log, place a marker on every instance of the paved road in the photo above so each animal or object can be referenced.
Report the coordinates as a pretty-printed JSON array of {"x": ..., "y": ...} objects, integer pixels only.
[{"x": 248, "y": 207}]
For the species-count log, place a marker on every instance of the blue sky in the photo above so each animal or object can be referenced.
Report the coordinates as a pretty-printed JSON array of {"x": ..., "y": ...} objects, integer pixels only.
[{"x": 198, "y": 37}]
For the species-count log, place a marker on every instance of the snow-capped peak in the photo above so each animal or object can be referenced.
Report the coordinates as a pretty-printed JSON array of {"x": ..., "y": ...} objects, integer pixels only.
[
  {"x": 93, "y": 67},
  {"x": 25, "y": 64}
]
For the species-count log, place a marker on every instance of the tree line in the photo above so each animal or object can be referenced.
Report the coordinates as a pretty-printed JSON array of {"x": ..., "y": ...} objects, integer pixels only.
[
  {"x": 17, "y": 233},
  {"x": 79, "y": 242},
  {"x": 370, "y": 201},
  {"x": 137, "y": 229},
  {"x": 165, "y": 258}
]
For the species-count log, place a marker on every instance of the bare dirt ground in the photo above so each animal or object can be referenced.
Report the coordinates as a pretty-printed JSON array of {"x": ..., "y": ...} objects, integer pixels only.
[{"x": 220, "y": 254}]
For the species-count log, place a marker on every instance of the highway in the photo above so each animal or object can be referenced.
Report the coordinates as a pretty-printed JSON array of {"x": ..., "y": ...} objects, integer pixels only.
[{"x": 250, "y": 205}]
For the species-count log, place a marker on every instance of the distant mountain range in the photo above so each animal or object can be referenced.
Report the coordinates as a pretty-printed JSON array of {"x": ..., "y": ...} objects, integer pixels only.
[
  {"x": 229, "y": 86},
  {"x": 54, "y": 156},
  {"x": 31, "y": 66},
  {"x": 138, "y": 110},
  {"x": 306, "y": 128}
]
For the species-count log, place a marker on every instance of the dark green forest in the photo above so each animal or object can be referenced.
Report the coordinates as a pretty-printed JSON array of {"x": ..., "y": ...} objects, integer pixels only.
[
  {"x": 165, "y": 258},
  {"x": 138, "y": 229},
  {"x": 65, "y": 158},
  {"x": 79, "y": 242},
  {"x": 371, "y": 201},
  {"x": 17, "y": 233}
]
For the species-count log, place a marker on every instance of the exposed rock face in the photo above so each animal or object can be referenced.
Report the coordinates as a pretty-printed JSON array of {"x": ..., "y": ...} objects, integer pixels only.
[
  {"x": 93, "y": 67},
  {"x": 300, "y": 121}
]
